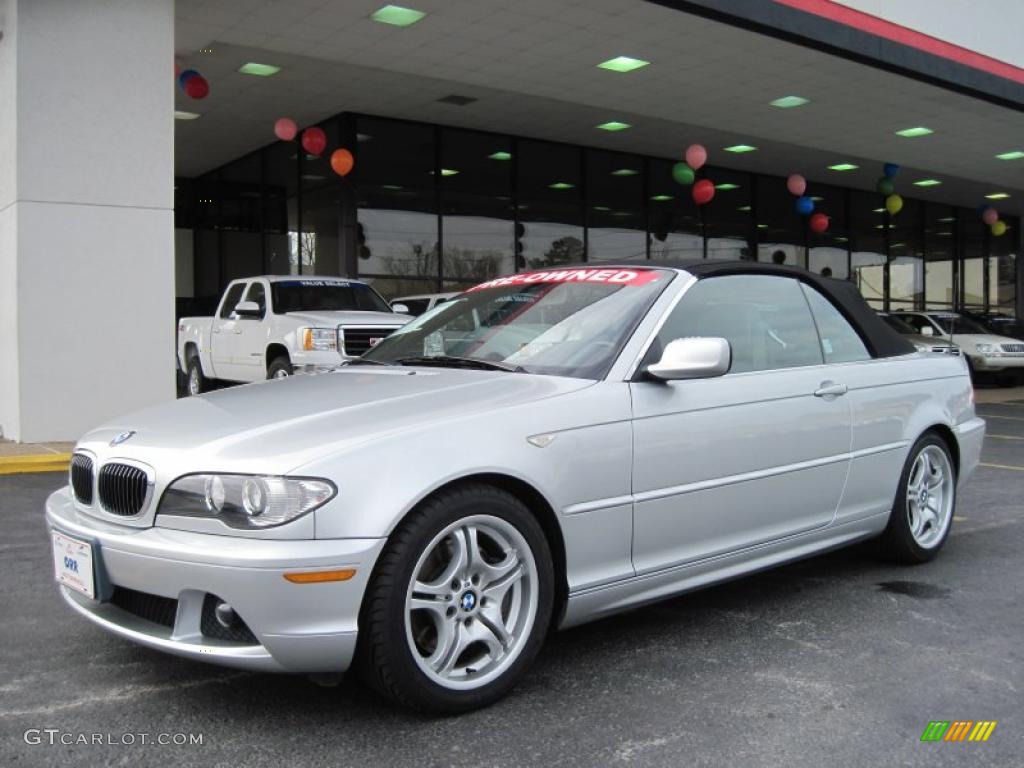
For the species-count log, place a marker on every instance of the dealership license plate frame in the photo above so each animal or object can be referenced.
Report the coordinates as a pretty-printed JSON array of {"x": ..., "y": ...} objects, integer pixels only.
[{"x": 86, "y": 581}]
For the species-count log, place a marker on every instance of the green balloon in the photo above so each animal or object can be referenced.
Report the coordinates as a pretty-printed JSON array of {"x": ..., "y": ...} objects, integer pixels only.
[
  {"x": 885, "y": 186},
  {"x": 682, "y": 173}
]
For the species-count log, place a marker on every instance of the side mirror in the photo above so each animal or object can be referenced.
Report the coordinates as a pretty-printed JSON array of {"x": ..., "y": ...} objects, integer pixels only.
[
  {"x": 927, "y": 330},
  {"x": 693, "y": 358},
  {"x": 248, "y": 309},
  {"x": 400, "y": 309}
]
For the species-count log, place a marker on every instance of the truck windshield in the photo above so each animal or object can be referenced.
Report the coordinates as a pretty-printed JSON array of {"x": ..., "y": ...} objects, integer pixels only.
[
  {"x": 325, "y": 296},
  {"x": 560, "y": 322}
]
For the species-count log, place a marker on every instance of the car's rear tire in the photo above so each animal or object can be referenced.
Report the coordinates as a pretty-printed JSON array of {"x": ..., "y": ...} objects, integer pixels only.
[
  {"x": 459, "y": 602},
  {"x": 280, "y": 368},
  {"x": 922, "y": 512},
  {"x": 196, "y": 381}
]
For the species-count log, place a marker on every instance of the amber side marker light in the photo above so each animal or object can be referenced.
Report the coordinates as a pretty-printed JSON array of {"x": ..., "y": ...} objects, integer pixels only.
[{"x": 318, "y": 577}]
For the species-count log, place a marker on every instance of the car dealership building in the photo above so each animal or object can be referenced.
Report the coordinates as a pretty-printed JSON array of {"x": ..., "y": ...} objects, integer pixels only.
[{"x": 487, "y": 137}]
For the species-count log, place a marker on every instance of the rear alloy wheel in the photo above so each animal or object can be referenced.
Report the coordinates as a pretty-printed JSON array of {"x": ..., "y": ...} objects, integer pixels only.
[
  {"x": 279, "y": 368},
  {"x": 924, "y": 505},
  {"x": 459, "y": 603}
]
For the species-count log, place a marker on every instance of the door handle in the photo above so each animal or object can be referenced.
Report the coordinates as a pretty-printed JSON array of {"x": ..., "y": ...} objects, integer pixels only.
[
  {"x": 830, "y": 389},
  {"x": 238, "y": 332}
]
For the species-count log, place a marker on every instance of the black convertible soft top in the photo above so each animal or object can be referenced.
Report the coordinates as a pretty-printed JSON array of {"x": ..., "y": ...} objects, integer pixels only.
[{"x": 878, "y": 337}]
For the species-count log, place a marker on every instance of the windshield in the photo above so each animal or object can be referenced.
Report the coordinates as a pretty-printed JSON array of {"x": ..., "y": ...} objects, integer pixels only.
[
  {"x": 325, "y": 296},
  {"x": 956, "y": 325},
  {"x": 569, "y": 322},
  {"x": 899, "y": 325}
]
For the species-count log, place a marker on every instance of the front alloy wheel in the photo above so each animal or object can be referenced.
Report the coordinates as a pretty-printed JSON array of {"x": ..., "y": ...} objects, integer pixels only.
[{"x": 459, "y": 602}]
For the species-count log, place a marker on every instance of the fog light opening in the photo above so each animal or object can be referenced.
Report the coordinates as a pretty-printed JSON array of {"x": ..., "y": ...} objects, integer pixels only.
[{"x": 225, "y": 615}]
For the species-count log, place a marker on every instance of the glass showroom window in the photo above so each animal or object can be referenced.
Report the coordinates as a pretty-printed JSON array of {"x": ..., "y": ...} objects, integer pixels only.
[
  {"x": 316, "y": 245},
  {"x": 616, "y": 224},
  {"x": 973, "y": 237},
  {"x": 939, "y": 242},
  {"x": 280, "y": 207},
  {"x": 906, "y": 251},
  {"x": 1002, "y": 268},
  {"x": 829, "y": 252},
  {"x": 726, "y": 222},
  {"x": 673, "y": 219},
  {"x": 550, "y": 208},
  {"x": 397, "y": 225},
  {"x": 781, "y": 234},
  {"x": 868, "y": 224},
  {"x": 476, "y": 202}
]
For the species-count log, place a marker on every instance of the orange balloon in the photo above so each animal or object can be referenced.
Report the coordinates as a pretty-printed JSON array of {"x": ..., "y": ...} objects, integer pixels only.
[{"x": 342, "y": 161}]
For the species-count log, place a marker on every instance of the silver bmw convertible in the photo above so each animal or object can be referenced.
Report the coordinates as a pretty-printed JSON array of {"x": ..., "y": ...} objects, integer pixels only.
[{"x": 546, "y": 449}]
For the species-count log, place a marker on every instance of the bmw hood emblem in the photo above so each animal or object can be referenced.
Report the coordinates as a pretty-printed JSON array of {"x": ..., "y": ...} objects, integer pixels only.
[{"x": 123, "y": 437}]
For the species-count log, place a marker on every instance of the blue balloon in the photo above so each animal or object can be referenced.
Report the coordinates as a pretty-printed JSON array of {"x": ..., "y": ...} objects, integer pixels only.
[
  {"x": 890, "y": 170},
  {"x": 804, "y": 205},
  {"x": 185, "y": 76}
]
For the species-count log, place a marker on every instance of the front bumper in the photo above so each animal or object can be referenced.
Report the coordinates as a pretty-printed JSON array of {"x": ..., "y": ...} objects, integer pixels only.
[
  {"x": 997, "y": 362},
  {"x": 296, "y": 627},
  {"x": 317, "y": 361}
]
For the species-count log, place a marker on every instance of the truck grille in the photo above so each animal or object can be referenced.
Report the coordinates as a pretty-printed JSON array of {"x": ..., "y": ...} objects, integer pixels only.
[
  {"x": 81, "y": 478},
  {"x": 154, "y": 608},
  {"x": 123, "y": 488},
  {"x": 946, "y": 350},
  {"x": 1014, "y": 349},
  {"x": 355, "y": 340}
]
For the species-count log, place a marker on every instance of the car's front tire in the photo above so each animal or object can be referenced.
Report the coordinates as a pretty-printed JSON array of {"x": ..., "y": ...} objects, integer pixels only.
[
  {"x": 922, "y": 512},
  {"x": 280, "y": 368},
  {"x": 459, "y": 602},
  {"x": 196, "y": 381}
]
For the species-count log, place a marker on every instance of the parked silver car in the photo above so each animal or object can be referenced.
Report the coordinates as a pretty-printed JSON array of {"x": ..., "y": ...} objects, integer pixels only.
[{"x": 546, "y": 449}]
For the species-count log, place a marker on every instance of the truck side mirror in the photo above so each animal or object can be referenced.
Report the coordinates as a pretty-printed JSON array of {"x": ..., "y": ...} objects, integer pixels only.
[
  {"x": 248, "y": 309},
  {"x": 400, "y": 309}
]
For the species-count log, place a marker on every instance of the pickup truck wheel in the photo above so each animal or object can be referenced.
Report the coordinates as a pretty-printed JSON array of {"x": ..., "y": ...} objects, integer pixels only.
[
  {"x": 459, "y": 602},
  {"x": 279, "y": 368},
  {"x": 197, "y": 382}
]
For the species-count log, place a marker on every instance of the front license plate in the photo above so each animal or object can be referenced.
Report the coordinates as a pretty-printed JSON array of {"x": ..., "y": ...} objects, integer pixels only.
[{"x": 72, "y": 560}]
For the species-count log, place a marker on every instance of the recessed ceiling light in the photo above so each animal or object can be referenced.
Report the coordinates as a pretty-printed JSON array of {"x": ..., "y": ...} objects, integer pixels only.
[
  {"x": 561, "y": 185},
  {"x": 625, "y": 172},
  {"x": 391, "y": 187},
  {"x": 740, "y": 148},
  {"x": 448, "y": 172},
  {"x": 787, "y": 102},
  {"x": 948, "y": 218},
  {"x": 260, "y": 70},
  {"x": 843, "y": 167},
  {"x": 500, "y": 155},
  {"x": 998, "y": 196},
  {"x": 842, "y": 239},
  {"x": 397, "y": 16},
  {"x": 727, "y": 186},
  {"x": 918, "y": 130},
  {"x": 817, "y": 198},
  {"x": 623, "y": 64},
  {"x": 363, "y": 137},
  {"x": 181, "y": 115},
  {"x": 601, "y": 208},
  {"x": 1014, "y": 155},
  {"x": 762, "y": 226},
  {"x": 743, "y": 208},
  {"x": 613, "y": 125},
  {"x": 878, "y": 210},
  {"x": 661, "y": 198},
  {"x": 927, "y": 183},
  {"x": 313, "y": 177}
]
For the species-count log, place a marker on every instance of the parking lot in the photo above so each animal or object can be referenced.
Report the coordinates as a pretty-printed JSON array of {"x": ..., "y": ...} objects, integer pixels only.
[{"x": 839, "y": 660}]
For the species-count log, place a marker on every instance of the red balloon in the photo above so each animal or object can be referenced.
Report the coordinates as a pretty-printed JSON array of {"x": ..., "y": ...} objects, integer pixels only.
[
  {"x": 342, "y": 161},
  {"x": 703, "y": 191},
  {"x": 285, "y": 129},
  {"x": 696, "y": 156},
  {"x": 314, "y": 140},
  {"x": 819, "y": 222},
  {"x": 197, "y": 87}
]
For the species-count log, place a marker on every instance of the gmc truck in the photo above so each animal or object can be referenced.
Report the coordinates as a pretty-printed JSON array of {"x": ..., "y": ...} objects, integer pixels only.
[{"x": 272, "y": 326}]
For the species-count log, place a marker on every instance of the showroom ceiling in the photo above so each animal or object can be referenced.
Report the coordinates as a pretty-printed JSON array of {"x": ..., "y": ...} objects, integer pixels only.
[{"x": 532, "y": 68}]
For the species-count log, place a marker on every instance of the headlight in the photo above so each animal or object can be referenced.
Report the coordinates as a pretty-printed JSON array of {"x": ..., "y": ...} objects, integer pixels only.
[
  {"x": 922, "y": 347},
  {"x": 245, "y": 501},
  {"x": 319, "y": 339},
  {"x": 984, "y": 349}
]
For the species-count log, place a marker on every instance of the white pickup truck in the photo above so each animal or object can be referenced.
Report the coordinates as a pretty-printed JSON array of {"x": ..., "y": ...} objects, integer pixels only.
[{"x": 272, "y": 326}]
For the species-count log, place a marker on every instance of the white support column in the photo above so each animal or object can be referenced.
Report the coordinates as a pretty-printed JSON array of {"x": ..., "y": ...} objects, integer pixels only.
[{"x": 86, "y": 213}]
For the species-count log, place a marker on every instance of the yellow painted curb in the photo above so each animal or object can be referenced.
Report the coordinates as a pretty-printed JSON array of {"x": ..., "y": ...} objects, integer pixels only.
[{"x": 36, "y": 462}]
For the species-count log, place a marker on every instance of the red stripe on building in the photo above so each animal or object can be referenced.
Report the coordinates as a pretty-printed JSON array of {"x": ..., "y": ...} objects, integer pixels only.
[{"x": 897, "y": 33}]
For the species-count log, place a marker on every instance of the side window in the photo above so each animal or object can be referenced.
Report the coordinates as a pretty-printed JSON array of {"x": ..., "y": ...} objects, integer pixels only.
[
  {"x": 765, "y": 319},
  {"x": 839, "y": 342},
  {"x": 258, "y": 294},
  {"x": 231, "y": 299}
]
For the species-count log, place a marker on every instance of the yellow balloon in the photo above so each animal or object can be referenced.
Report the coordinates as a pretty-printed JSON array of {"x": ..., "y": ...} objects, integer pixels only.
[
  {"x": 998, "y": 228},
  {"x": 893, "y": 204}
]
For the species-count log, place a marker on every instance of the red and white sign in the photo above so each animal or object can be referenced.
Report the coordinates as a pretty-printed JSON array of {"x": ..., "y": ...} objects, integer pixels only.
[{"x": 607, "y": 276}]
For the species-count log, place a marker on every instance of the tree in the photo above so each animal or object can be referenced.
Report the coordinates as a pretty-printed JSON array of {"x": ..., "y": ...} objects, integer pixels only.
[{"x": 564, "y": 250}]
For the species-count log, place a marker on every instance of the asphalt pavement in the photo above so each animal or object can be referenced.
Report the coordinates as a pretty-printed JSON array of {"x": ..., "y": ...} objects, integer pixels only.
[{"x": 840, "y": 660}]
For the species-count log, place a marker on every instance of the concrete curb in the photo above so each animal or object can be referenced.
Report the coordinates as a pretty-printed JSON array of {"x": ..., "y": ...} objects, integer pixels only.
[{"x": 36, "y": 462}]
